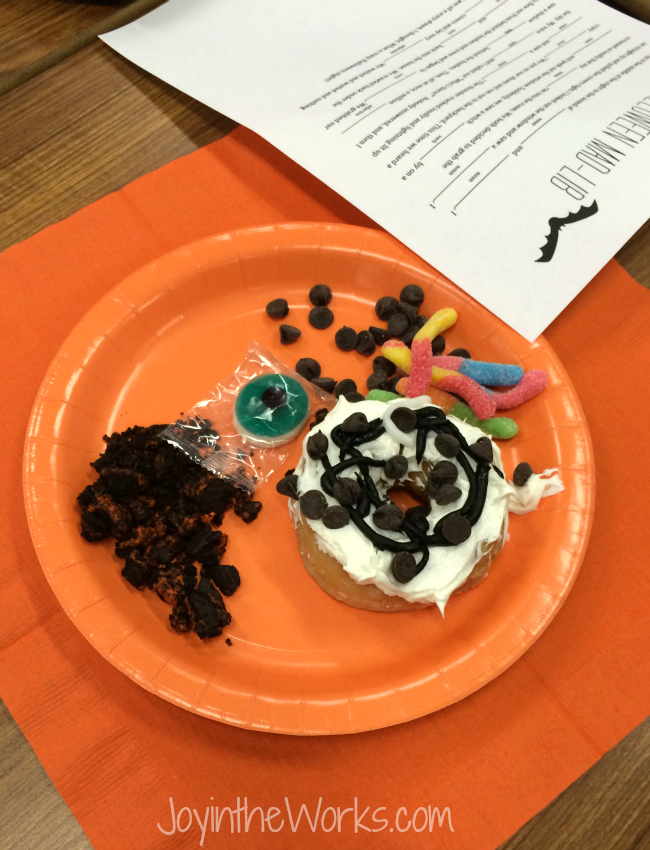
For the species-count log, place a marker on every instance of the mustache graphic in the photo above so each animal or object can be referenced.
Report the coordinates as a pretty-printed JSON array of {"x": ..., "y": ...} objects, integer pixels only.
[{"x": 556, "y": 224}]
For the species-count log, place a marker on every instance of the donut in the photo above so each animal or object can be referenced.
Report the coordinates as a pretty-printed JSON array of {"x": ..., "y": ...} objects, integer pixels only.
[{"x": 365, "y": 551}]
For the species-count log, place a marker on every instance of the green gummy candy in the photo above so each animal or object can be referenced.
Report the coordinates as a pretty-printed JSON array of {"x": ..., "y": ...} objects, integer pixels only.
[
  {"x": 499, "y": 427},
  {"x": 381, "y": 395}
]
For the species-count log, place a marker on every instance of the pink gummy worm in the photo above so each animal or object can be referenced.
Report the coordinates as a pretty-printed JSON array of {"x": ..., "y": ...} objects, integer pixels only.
[
  {"x": 421, "y": 365},
  {"x": 483, "y": 404},
  {"x": 448, "y": 362},
  {"x": 530, "y": 385}
]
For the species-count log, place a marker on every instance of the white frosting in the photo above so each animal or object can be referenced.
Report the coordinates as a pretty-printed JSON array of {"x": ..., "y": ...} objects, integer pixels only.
[{"x": 448, "y": 566}]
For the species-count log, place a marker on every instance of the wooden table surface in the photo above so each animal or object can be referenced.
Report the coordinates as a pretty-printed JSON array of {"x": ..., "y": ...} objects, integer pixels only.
[{"x": 84, "y": 127}]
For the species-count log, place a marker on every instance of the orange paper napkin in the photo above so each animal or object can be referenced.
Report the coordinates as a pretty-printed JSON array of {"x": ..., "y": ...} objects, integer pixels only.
[{"x": 117, "y": 753}]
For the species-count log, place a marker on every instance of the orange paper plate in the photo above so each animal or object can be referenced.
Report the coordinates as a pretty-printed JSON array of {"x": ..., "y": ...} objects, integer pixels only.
[{"x": 301, "y": 663}]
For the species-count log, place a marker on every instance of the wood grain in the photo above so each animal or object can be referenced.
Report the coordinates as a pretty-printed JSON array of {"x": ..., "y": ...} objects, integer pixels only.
[{"x": 85, "y": 128}]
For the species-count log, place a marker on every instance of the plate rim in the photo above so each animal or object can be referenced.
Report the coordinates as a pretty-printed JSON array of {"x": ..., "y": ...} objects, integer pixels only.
[{"x": 241, "y": 722}]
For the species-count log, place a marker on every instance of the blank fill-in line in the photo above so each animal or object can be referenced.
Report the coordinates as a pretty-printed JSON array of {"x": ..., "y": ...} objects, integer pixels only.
[
  {"x": 592, "y": 42},
  {"x": 372, "y": 111},
  {"x": 514, "y": 44},
  {"x": 481, "y": 180},
  {"x": 557, "y": 79},
  {"x": 458, "y": 32},
  {"x": 503, "y": 3},
  {"x": 440, "y": 142},
  {"x": 403, "y": 50},
  {"x": 501, "y": 67},
  {"x": 474, "y": 6},
  {"x": 541, "y": 125},
  {"x": 401, "y": 79},
  {"x": 507, "y": 32},
  {"x": 459, "y": 174},
  {"x": 564, "y": 44}
]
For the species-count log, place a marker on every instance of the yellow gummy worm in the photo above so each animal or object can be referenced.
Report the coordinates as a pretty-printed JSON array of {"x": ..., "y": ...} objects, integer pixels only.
[
  {"x": 438, "y": 323},
  {"x": 401, "y": 357}
]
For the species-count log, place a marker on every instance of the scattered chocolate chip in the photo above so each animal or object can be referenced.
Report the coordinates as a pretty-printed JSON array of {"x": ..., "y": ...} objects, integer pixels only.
[
  {"x": 420, "y": 321},
  {"x": 409, "y": 311},
  {"x": 460, "y": 352},
  {"x": 320, "y": 295},
  {"x": 397, "y": 324},
  {"x": 447, "y": 494},
  {"x": 366, "y": 344},
  {"x": 346, "y": 338},
  {"x": 325, "y": 384},
  {"x": 288, "y": 334},
  {"x": 455, "y": 528},
  {"x": 383, "y": 364},
  {"x": 356, "y": 423},
  {"x": 386, "y": 307},
  {"x": 483, "y": 449},
  {"x": 346, "y": 491},
  {"x": 416, "y": 513},
  {"x": 377, "y": 380},
  {"x": 443, "y": 472},
  {"x": 347, "y": 385},
  {"x": 335, "y": 517},
  {"x": 388, "y": 517},
  {"x": 317, "y": 445},
  {"x": 391, "y": 384},
  {"x": 380, "y": 335},
  {"x": 320, "y": 415},
  {"x": 312, "y": 504},
  {"x": 308, "y": 368},
  {"x": 522, "y": 473},
  {"x": 437, "y": 345},
  {"x": 320, "y": 317},
  {"x": 277, "y": 309},
  {"x": 288, "y": 486},
  {"x": 404, "y": 419},
  {"x": 403, "y": 567},
  {"x": 412, "y": 294},
  {"x": 274, "y": 397},
  {"x": 396, "y": 467},
  {"x": 447, "y": 445},
  {"x": 354, "y": 397},
  {"x": 409, "y": 334}
]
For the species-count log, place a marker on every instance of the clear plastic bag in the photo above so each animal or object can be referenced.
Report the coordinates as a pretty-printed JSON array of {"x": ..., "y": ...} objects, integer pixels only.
[{"x": 209, "y": 434}]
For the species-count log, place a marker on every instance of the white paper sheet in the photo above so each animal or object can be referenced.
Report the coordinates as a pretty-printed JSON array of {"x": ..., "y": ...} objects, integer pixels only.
[{"x": 504, "y": 141}]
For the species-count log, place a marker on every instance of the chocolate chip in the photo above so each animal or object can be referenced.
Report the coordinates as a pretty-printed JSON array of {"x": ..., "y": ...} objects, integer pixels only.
[
  {"x": 277, "y": 309},
  {"x": 522, "y": 473},
  {"x": 308, "y": 368},
  {"x": 335, "y": 517},
  {"x": 347, "y": 385},
  {"x": 447, "y": 494},
  {"x": 346, "y": 491},
  {"x": 409, "y": 311},
  {"x": 320, "y": 415},
  {"x": 412, "y": 294},
  {"x": 443, "y": 472},
  {"x": 404, "y": 419},
  {"x": 409, "y": 334},
  {"x": 388, "y": 517},
  {"x": 455, "y": 529},
  {"x": 403, "y": 567},
  {"x": 354, "y": 397},
  {"x": 460, "y": 352},
  {"x": 366, "y": 344},
  {"x": 391, "y": 384},
  {"x": 356, "y": 423},
  {"x": 420, "y": 321},
  {"x": 396, "y": 467},
  {"x": 383, "y": 364},
  {"x": 447, "y": 445},
  {"x": 320, "y": 295},
  {"x": 418, "y": 512},
  {"x": 346, "y": 338},
  {"x": 377, "y": 380},
  {"x": 320, "y": 317},
  {"x": 380, "y": 335},
  {"x": 274, "y": 397},
  {"x": 437, "y": 345},
  {"x": 288, "y": 486},
  {"x": 317, "y": 445},
  {"x": 312, "y": 504},
  {"x": 386, "y": 307},
  {"x": 397, "y": 324},
  {"x": 288, "y": 334},
  {"x": 325, "y": 384},
  {"x": 482, "y": 448}
]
